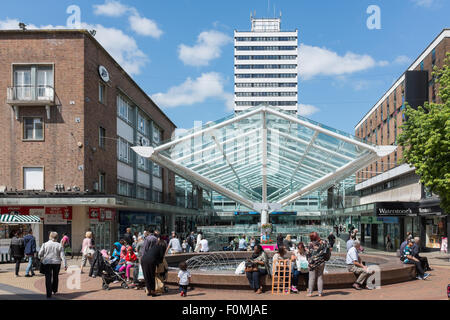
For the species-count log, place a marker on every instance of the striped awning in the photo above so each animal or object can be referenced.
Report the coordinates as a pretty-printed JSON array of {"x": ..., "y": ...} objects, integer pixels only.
[{"x": 17, "y": 219}]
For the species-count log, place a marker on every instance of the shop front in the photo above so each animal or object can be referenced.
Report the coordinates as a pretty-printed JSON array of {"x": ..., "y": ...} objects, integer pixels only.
[
  {"x": 102, "y": 223},
  {"x": 138, "y": 221},
  {"x": 425, "y": 220},
  {"x": 57, "y": 219}
]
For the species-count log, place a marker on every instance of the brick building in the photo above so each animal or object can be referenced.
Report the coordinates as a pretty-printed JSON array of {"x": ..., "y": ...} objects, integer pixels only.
[
  {"x": 69, "y": 115},
  {"x": 389, "y": 186}
]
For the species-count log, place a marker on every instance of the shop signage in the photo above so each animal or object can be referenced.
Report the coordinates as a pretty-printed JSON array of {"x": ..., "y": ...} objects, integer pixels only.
[
  {"x": 396, "y": 209},
  {"x": 94, "y": 213},
  {"x": 101, "y": 214},
  {"x": 23, "y": 211},
  {"x": 64, "y": 212}
]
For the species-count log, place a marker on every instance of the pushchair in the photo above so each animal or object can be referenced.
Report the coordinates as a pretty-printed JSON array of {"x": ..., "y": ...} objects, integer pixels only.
[
  {"x": 106, "y": 270},
  {"x": 161, "y": 275}
]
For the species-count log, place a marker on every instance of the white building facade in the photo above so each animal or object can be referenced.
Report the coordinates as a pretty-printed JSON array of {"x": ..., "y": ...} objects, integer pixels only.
[{"x": 266, "y": 66}]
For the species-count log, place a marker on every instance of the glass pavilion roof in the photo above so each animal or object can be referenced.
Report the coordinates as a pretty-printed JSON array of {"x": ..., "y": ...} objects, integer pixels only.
[{"x": 264, "y": 155}]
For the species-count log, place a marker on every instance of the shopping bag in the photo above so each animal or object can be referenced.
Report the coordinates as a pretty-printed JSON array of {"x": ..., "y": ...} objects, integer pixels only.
[{"x": 140, "y": 274}]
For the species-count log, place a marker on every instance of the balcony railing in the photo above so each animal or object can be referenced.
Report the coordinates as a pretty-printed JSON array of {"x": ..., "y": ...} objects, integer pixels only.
[{"x": 28, "y": 94}]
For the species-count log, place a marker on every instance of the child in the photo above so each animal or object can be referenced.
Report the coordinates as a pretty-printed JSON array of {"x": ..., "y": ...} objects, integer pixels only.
[
  {"x": 130, "y": 259},
  {"x": 184, "y": 245},
  {"x": 183, "y": 278}
]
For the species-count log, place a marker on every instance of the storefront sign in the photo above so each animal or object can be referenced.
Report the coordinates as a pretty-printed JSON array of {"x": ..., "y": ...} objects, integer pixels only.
[
  {"x": 94, "y": 213},
  {"x": 102, "y": 214},
  {"x": 396, "y": 209},
  {"x": 23, "y": 211},
  {"x": 55, "y": 219},
  {"x": 64, "y": 212},
  {"x": 388, "y": 219}
]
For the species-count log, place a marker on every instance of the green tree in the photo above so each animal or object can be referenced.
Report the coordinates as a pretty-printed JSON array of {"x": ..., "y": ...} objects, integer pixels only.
[{"x": 426, "y": 139}]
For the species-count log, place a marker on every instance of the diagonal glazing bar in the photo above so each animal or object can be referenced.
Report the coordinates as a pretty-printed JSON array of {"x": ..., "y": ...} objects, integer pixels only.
[
  {"x": 188, "y": 174},
  {"x": 320, "y": 129},
  {"x": 300, "y": 161},
  {"x": 206, "y": 130}
]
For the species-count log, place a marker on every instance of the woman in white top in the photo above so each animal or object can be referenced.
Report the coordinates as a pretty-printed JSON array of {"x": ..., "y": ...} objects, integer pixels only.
[
  {"x": 199, "y": 238},
  {"x": 87, "y": 250},
  {"x": 300, "y": 267},
  {"x": 51, "y": 255}
]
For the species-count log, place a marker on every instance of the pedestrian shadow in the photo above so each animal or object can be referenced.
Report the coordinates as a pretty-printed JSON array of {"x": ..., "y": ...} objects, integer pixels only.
[
  {"x": 16, "y": 297},
  {"x": 71, "y": 295},
  {"x": 340, "y": 293}
]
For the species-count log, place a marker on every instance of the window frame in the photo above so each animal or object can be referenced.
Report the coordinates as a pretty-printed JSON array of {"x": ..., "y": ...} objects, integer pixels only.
[
  {"x": 101, "y": 139},
  {"x": 24, "y": 127},
  {"x": 33, "y": 167}
]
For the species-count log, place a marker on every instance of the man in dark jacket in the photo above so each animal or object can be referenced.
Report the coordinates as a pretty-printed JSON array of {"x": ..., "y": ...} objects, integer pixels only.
[
  {"x": 30, "y": 249},
  {"x": 128, "y": 237},
  {"x": 17, "y": 250}
]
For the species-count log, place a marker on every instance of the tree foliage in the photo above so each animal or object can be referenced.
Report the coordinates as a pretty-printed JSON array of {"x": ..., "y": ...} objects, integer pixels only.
[{"x": 426, "y": 139}]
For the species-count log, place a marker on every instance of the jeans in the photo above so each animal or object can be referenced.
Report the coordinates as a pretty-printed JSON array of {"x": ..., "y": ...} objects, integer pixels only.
[
  {"x": 29, "y": 266},
  {"x": 419, "y": 269},
  {"x": 17, "y": 260},
  {"x": 317, "y": 273},
  {"x": 51, "y": 272},
  {"x": 183, "y": 288},
  {"x": 424, "y": 263},
  {"x": 296, "y": 276},
  {"x": 254, "y": 278}
]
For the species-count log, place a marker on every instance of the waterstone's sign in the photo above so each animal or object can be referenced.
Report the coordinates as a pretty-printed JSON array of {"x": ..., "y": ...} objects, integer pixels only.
[{"x": 397, "y": 209}]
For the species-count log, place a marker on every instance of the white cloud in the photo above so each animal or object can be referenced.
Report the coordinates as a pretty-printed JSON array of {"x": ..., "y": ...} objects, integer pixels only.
[
  {"x": 208, "y": 47},
  {"x": 402, "y": 60},
  {"x": 424, "y": 3},
  {"x": 141, "y": 25},
  {"x": 306, "y": 110},
  {"x": 315, "y": 61},
  {"x": 122, "y": 47},
  {"x": 110, "y": 8},
  {"x": 13, "y": 24},
  {"x": 144, "y": 26},
  {"x": 207, "y": 86}
]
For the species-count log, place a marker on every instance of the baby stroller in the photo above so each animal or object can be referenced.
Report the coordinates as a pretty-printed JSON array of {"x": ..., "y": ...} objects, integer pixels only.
[{"x": 106, "y": 269}]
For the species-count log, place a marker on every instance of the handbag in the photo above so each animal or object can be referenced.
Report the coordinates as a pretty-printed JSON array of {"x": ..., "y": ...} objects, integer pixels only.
[{"x": 250, "y": 266}]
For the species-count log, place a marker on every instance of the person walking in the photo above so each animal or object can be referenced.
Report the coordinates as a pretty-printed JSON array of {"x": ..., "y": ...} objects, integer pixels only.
[
  {"x": 51, "y": 255},
  {"x": 128, "y": 237},
  {"x": 184, "y": 278},
  {"x": 242, "y": 244},
  {"x": 190, "y": 239},
  {"x": 87, "y": 250},
  {"x": 151, "y": 259},
  {"x": 17, "y": 250},
  {"x": 204, "y": 245},
  {"x": 30, "y": 249},
  {"x": 331, "y": 240},
  {"x": 388, "y": 243},
  {"x": 199, "y": 239},
  {"x": 252, "y": 243},
  {"x": 316, "y": 254},
  {"x": 65, "y": 243}
]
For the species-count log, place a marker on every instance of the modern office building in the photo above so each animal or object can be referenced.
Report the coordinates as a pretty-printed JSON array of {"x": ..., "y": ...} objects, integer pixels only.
[
  {"x": 69, "y": 115},
  {"x": 266, "y": 66},
  {"x": 388, "y": 189}
]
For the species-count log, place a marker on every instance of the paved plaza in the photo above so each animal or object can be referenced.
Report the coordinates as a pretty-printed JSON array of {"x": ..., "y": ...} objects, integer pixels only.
[{"x": 21, "y": 288}]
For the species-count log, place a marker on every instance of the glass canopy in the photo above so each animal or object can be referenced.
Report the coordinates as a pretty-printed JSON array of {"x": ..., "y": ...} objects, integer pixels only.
[{"x": 264, "y": 157}]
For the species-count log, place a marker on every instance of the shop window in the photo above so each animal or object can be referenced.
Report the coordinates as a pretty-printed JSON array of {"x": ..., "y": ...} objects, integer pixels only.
[{"x": 33, "y": 129}]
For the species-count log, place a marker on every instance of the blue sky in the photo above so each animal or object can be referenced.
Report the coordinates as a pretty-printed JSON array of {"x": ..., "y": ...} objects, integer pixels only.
[{"x": 181, "y": 52}]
